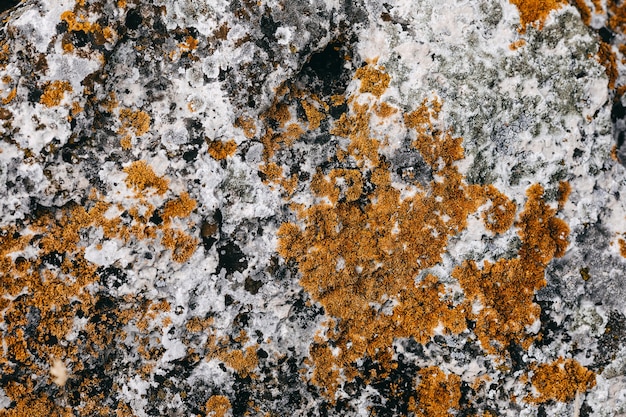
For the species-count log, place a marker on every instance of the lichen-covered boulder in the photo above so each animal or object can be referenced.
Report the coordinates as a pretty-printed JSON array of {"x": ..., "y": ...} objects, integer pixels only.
[{"x": 343, "y": 208}]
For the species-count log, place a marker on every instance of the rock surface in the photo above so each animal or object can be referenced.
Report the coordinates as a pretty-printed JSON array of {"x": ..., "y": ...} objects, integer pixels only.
[{"x": 344, "y": 208}]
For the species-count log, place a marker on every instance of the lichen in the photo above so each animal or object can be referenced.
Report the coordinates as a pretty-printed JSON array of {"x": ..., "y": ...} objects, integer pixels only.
[{"x": 560, "y": 380}]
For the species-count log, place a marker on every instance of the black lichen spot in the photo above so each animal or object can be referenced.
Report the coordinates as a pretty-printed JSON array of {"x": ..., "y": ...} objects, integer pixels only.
[
  {"x": 231, "y": 258},
  {"x": 112, "y": 277},
  {"x": 133, "y": 19}
]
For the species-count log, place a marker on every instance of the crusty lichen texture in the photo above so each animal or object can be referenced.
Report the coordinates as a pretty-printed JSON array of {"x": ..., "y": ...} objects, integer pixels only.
[{"x": 363, "y": 251}]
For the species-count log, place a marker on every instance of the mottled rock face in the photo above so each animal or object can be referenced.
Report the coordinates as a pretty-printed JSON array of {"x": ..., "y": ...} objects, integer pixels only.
[{"x": 343, "y": 208}]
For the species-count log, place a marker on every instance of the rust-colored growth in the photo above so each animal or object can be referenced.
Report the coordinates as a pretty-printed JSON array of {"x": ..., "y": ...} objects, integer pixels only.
[
  {"x": 373, "y": 80},
  {"x": 243, "y": 362},
  {"x": 506, "y": 288},
  {"x": 385, "y": 110},
  {"x": 271, "y": 172},
  {"x": 279, "y": 112},
  {"x": 221, "y": 150},
  {"x": 364, "y": 249},
  {"x": 560, "y": 380},
  {"x": 9, "y": 98},
  {"x": 53, "y": 92},
  {"x": 313, "y": 115},
  {"x": 517, "y": 44},
  {"x": 217, "y": 406},
  {"x": 221, "y": 33},
  {"x": 138, "y": 121},
  {"x": 565, "y": 189},
  {"x": 500, "y": 216},
  {"x": 181, "y": 244},
  {"x": 622, "y": 247},
  {"x": 247, "y": 125},
  {"x": 141, "y": 177},
  {"x": 437, "y": 393},
  {"x": 535, "y": 12},
  {"x": 190, "y": 44},
  {"x": 616, "y": 11},
  {"x": 606, "y": 57},
  {"x": 584, "y": 10},
  {"x": 179, "y": 207}
]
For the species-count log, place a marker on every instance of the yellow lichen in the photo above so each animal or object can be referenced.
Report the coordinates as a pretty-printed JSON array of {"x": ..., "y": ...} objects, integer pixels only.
[
  {"x": 9, "y": 98},
  {"x": 54, "y": 92},
  {"x": 141, "y": 177},
  {"x": 313, "y": 115},
  {"x": 181, "y": 244},
  {"x": 138, "y": 121},
  {"x": 221, "y": 150},
  {"x": 179, "y": 207},
  {"x": 622, "y": 247},
  {"x": 217, "y": 406}
]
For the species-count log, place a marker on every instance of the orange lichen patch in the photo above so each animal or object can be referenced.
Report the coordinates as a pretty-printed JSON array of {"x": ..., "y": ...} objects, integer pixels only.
[
  {"x": 126, "y": 142},
  {"x": 622, "y": 247},
  {"x": 221, "y": 150},
  {"x": 141, "y": 177},
  {"x": 364, "y": 248},
  {"x": 614, "y": 153},
  {"x": 506, "y": 288},
  {"x": 53, "y": 92},
  {"x": 78, "y": 23},
  {"x": 54, "y": 282},
  {"x": 606, "y": 57},
  {"x": 243, "y": 362},
  {"x": 500, "y": 216},
  {"x": 247, "y": 125},
  {"x": 565, "y": 189},
  {"x": 9, "y": 98},
  {"x": 190, "y": 44},
  {"x": 385, "y": 110},
  {"x": 346, "y": 184},
  {"x": 584, "y": 10},
  {"x": 292, "y": 133},
  {"x": 437, "y": 393},
  {"x": 535, "y": 12},
  {"x": 373, "y": 80},
  {"x": 617, "y": 16},
  {"x": 28, "y": 404},
  {"x": 279, "y": 112},
  {"x": 560, "y": 380},
  {"x": 517, "y": 44},
  {"x": 181, "y": 244},
  {"x": 179, "y": 207},
  {"x": 271, "y": 172},
  {"x": 217, "y": 406},
  {"x": 313, "y": 115},
  {"x": 138, "y": 121},
  {"x": 109, "y": 103}
]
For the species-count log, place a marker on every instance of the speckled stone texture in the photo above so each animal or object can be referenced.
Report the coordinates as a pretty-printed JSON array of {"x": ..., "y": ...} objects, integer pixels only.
[{"x": 322, "y": 208}]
